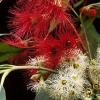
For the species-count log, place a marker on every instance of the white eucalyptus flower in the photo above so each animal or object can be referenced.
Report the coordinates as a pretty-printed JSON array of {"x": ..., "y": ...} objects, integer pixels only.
[
  {"x": 37, "y": 86},
  {"x": 66, "y": 84},
  {"x": 37, "y": 61}
]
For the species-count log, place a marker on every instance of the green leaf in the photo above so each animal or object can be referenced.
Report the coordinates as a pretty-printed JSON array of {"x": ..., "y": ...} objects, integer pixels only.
[
  {"x": 5, "y": 48},
  {"x": 96, "y": 4},
  {"x": 2, "y": 94},
  {"x": 43, "y": 96},
  {"x": 6, "y": 56},
  {"x": 7, "y": 51},
  {"x": 93, "y": 36}
]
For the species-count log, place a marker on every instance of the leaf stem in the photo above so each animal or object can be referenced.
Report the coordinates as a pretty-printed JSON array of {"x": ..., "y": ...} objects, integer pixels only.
[
  {"x": 73, "y": 11},
  {"x": 78, "y": 36},
  {"x": 31, "y": 67},
  {"x": 94, "y": 4}
]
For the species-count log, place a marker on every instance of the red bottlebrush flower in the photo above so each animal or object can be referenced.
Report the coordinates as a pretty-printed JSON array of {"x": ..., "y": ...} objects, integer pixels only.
[
  {"x": 33, "y": 18},
  {"x": 52, "y": 49},
  {"x": 16, "y": 41},
  {"x": 27, "y": 18},
  {"x": 32, "y": 21},
  {"x": 69, "y": 43},
  {"x": 23, "y": 23},
  {"x": 68, "y": 40}
]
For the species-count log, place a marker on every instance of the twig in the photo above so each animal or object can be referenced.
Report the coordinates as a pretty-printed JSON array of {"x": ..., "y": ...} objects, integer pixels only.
[{"x": 31, "y": 67}]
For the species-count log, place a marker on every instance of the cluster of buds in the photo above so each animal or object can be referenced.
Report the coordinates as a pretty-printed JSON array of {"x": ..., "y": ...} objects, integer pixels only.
[{"x": 89, "y": 11}]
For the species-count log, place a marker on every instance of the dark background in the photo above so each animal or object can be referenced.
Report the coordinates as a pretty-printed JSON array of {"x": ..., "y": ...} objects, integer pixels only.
[{"x": 15, "y": 84}]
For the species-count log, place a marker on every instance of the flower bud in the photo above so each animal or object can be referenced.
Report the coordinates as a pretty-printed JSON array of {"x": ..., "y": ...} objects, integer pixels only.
[
  {"x": 92, "y": 12},
  {"x": 89, "y": 11}
]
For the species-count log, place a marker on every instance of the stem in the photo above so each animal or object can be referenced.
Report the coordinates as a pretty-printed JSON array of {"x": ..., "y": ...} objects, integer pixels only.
[
  {"x": 4, "y": 77},
  {"x": 73, "y": 11},
  {"x": 13, "y": 67},
  {"x": 31, "y": 67},
  {"x": 6, "y": 65},
  {"x": 76, "y": 34},
  {"x": 2, "y": 71},
  {"x": 75, "y": 29}
]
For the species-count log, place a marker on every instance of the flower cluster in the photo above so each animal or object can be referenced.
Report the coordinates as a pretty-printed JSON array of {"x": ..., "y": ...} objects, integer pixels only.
[
  {"x": 46, "y": 27},
  {"x": 70, "y": 81},
  {"x": 76, "y": 79}
]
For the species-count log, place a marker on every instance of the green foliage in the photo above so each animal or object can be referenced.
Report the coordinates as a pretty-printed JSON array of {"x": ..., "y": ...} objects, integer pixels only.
[
  {"x": 4, "y": 48},
  {"x": 96, "y": 4},
  {"x": 92, "y": 37},
  {"x": 7, "y": 51}
]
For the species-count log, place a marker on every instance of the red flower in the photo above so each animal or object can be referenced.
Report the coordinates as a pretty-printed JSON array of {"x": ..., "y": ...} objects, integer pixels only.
[
  {"x": 69, "y": 43},
  {"x": 23, "y": 23},
  {"x": 33, "y": 18},
  {"x": 14, "y": 41},
  {"x": 52, "y": 49},
  {"x": 31, "y": 22},
  {"x": 68, "y": 40}
]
